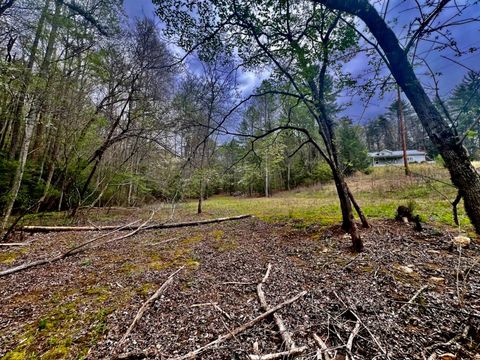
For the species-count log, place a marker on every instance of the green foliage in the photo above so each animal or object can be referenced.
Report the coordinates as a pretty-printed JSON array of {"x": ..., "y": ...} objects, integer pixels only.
[
  {"x": 439, "y": 160},
  {"x": 322, "y": 173},
  {"x": 353, "y": 153},
  {"x": 465, "y": 106}
]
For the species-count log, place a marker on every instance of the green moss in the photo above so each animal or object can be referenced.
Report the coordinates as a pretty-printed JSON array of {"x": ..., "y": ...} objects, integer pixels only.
[
  {"x": 129, "y": 268},
  {"x": 15, "y": 355},
  {"x": 102, "y": 293},
  {"x": 9, "y": 257},
  {"x": 216, "y": 234},
  {"x": 58, "y": 352},
  {"x": 145, "y": 289}
]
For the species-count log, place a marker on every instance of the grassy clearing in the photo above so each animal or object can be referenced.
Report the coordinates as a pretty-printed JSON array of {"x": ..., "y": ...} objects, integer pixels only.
[{"x": 379, "y": 193}]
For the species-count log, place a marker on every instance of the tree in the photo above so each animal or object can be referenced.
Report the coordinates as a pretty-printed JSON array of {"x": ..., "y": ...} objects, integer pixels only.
[
  {"x": 303, "y": 36},
  {"x": 446, "y": 140},
  {"x": 443, "y": 136},
  {"x": 465, "y": 108},
  {"x": 353, "y": 153}
]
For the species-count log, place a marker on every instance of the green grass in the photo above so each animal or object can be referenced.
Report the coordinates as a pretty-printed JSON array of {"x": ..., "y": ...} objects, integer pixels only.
[{"x": 379, "y": 195}]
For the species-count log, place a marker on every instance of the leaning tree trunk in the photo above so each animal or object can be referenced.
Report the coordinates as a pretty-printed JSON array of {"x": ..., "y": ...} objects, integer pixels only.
[
  {"x": 358, "y": 209},
  {"x": 463, "y": 174},
  {"x": 348, "y": 220}
]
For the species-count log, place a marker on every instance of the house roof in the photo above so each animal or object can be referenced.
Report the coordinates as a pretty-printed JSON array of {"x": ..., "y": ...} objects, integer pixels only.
[{"x": 394, "y": 154}]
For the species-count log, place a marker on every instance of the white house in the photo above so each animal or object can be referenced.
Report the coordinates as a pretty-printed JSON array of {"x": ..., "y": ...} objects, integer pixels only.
[{"x": 388, "y": 157}]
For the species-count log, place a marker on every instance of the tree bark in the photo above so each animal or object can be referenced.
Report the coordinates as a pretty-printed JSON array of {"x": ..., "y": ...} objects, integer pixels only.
[
  {"x": 462, "y": 172},
  {"x": 348, "y": 221},
  {"x": 358, "y": 209},
  {"x": 19, "y": 109}
]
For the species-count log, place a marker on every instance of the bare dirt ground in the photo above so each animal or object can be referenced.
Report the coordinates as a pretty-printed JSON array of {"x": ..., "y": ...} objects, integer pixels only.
[{"x": 80, "y": 307}]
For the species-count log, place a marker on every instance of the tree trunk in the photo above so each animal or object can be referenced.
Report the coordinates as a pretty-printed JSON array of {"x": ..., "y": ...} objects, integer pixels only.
[
  {"x": 348, "y": 221},
  {"x": 462, "y": 172},
  {"x": 17, "y": 180},
  {"x": 200, "y": 197},
  {"x": 358, "y": 209},
  {"x": 19, "y": 109},
  {"x": 402, "y": 131},
  {"x": 289, "y": 166}
]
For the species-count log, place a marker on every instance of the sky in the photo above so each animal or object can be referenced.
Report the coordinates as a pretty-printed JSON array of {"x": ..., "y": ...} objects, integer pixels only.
[{"x": 451, "y": 73}]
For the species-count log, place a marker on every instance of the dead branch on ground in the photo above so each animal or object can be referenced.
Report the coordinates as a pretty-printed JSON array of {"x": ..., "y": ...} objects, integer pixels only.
[
  {"x": 323, "y": 348},
  {"x": 286, "y": 336},
  {"x": 375, "y": 340},
  {"x": 146, "y": 305},
  {"x": 73, "y": 251},
  {"x": 422, "y": 289},
  {"x": 35, "y": 228},
  {"x": 284, "y": 354},
  {"x": 240, "y": 329},
  {"x": 349, "y": 346}
]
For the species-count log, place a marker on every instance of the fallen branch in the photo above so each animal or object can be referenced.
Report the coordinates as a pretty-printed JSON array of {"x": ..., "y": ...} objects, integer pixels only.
[
  {"x": 70, "y": 252},
  {"x": 349, "y": 346},
  {"x": 323, "y": 348},
  {"x": 34, "y": 228},
  {"x": 375, "y": 340},
  {"x": 15, "y": 244},
  {"x": 286, "y": 337},
  {"x": 146, "y": 305},
  {"x": 280, "y": 355},
  {"x": 240, "y": 329}
]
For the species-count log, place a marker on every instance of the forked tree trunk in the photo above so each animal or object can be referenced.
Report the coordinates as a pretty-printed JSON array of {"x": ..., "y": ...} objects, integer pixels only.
[
  {"x": 348, "y": 220},
  {"x": 358, "y": 209},
  {"x": 462, "y": 173}
]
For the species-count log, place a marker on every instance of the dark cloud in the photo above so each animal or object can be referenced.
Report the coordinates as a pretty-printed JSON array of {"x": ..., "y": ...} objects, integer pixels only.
[{"x": 400, "y": 14}]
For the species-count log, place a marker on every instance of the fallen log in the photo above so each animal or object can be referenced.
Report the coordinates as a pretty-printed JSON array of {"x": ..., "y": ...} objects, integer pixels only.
[
  {"x": 72, "y": 251},
  {"x": 240, "y": 329},
  {"x": 146, "y": 305},
  {"x": 45, "y": 229}
]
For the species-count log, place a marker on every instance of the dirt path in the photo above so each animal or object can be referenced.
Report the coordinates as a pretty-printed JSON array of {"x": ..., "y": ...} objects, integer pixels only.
[{"x": 80, "y": 307}]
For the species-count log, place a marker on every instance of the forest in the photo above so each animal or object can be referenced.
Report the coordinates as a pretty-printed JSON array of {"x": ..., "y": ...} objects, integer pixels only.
[{"x": 219, "y": 179}]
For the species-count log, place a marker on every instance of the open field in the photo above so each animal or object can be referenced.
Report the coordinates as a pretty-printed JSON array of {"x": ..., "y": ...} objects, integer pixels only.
[{"x": 379, "y": 194}]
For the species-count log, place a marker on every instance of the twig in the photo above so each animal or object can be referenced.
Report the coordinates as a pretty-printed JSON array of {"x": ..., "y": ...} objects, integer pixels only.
[
  {"x": 454, "y": 311},
  {"x": 280, "y": 355},
  {"x": 15, "y": 244},
  {"x": 146, "y": 305},
  {"x": 457, "y": 276},
  {"x": 286, "y": 337},
  {"x": 453, "y": 340},
  {"x": 366, "y": 328},
  {"x": 349, "y": 346},
  {"x": 139, "y": 228},
  {"x": 215, "y": 305},
  {"x": 413, "y": 297},
  {"x": 239, "y": 329},
  {"x": 238, "y": 283},
  {"x": 323, "y": 348}
]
